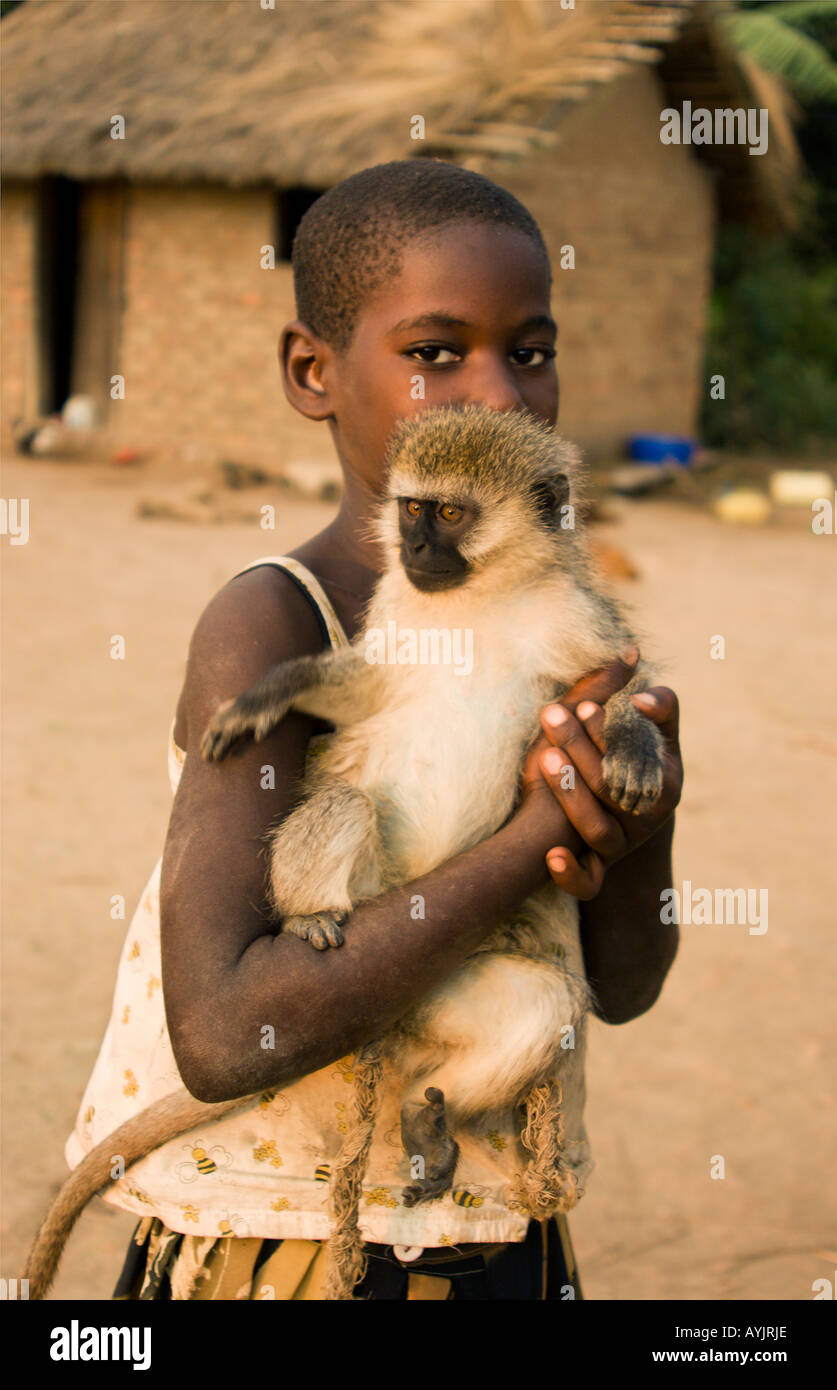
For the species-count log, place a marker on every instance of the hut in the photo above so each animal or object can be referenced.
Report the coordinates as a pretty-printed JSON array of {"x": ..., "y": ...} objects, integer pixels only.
[{"x": 159, "y": 155}]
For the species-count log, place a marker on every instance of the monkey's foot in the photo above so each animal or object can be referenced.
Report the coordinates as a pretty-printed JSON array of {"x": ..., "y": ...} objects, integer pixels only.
[
  {"x": 322, "y": 929},
  {"x": 242, "y": 718},
  {"x": 431, "y": 1148},
  {"x": 633, "y": 767}
]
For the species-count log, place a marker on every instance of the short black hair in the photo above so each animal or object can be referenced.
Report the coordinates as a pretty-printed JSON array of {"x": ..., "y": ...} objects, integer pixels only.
[{"x": 352, "y": 238}]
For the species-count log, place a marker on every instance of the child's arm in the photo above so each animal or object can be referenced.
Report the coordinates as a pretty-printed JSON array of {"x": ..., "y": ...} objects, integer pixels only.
[
  {"x": 249, "y": 1008},
  {"x": 628, "y": 950}
]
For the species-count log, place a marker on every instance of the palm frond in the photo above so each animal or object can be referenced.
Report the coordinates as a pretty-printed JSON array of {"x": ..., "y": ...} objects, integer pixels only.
[
  {"x": 802, "y": 62},
  {"x": 802, "y": 12}
]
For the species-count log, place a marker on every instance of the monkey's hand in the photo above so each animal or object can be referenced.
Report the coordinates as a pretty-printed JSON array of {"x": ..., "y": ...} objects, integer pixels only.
[
  {"x": 322, "y": 929},
  {"x": 235, "y": 719},
  {"x": 330, "y": 685},
  {"x": 632, "y": 766}
]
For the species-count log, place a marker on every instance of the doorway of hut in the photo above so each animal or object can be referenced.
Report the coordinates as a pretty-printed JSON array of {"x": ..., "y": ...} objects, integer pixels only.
[
  {"x": 56, "y": 270},
  {"x": 79, "y": 244},
  {"x": 291, "y": 206}
]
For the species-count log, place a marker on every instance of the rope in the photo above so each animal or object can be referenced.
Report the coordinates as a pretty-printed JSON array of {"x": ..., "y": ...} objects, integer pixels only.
[
  {"x": 547, "y": 1185},
  {"x": 347, "y": 1262}
]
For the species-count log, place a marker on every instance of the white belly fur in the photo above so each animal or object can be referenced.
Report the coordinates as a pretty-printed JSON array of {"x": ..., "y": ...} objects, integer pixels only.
[
  {"x": 423, "y": 780},
  {"x": 494, "y": 1028}
]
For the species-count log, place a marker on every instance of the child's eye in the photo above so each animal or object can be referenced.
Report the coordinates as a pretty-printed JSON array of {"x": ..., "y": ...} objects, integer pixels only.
[
  {"x": 523, "y": 356},
  {"x": 433, "y": 354}
]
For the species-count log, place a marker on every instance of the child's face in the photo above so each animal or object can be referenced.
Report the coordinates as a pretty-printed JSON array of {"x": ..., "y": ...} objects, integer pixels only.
[{"x": 470, "y": 315}]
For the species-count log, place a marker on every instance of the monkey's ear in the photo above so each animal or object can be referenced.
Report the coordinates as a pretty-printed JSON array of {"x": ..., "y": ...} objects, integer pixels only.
[{"x": 551, "y": 492}]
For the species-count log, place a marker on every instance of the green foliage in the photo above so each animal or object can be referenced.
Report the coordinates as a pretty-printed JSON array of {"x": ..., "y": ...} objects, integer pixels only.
[
  {"x": 774, "y": 39},
  {"x": 773, "y": 337},
  {"x": 801, "y": 13}
]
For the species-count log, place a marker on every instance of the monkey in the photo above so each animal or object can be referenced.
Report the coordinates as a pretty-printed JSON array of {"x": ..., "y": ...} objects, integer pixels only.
[{"x": 479, "y": 529}]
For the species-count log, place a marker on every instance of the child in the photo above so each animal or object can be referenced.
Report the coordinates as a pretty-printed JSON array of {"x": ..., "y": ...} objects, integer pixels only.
[{"x": 417, "y": 283}]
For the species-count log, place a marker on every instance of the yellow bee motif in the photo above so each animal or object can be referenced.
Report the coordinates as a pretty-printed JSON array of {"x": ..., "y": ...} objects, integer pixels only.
[
  {"x": 322, "y": 1172},
  {"x": 131, "y": 1084},
  {"x": 234, "y": 1226},
  {"x": 134, "y": 951},
  {"x": 126, "y": 1013},
  {"x": 345, "y": 1068},
  {"x": 496, "y": 1140},
  {"x": 202, "y": 1162},
  {"x": 445, "y": 1240},
  {"x": 380, "y": 1197},
  {"x": 153, "y": 983},
  {"x": 280, "y": 1204},
  {"x": 89, "y": 1113},
  {"x": 342, "y": 1126},
  {"x": 463, "y": 1198},
  {"x": 265, "y": 1152},
  {"x": 274, "y": 1100},
  {"x": 190, "y": 1213},
  {"x": 140, "y": 1196}
]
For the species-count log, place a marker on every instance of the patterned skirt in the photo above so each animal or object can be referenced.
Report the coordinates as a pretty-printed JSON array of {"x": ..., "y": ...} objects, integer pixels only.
[{"x": 163, "y": 1264}]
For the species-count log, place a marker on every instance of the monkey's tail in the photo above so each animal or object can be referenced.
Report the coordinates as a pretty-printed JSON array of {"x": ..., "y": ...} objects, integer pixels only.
[
  {"x": 346, "y": 1260},
  {"x": 173, "y": 1115},
  {"x": 547, "y": 1185}
]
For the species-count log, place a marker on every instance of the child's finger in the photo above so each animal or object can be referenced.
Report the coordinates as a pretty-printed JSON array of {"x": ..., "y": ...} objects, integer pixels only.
[
  {"x": 563, "y": 726},
  {"x": 592, "y": 717},
  {"x": 572, "y": 735},
  {"x": 661, "y": 705},
  {"x": 579, "y": 800},
  {"x": 580, "y": 879},
  {"x": 568, "y": 733}
]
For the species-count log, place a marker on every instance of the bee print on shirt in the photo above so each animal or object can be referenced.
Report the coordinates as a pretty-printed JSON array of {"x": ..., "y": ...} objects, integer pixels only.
[{"x": 203, "y": 1163}]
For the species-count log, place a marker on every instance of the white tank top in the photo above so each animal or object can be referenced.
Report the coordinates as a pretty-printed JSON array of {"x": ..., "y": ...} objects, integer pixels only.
[{"x": 264, "y": 1169}]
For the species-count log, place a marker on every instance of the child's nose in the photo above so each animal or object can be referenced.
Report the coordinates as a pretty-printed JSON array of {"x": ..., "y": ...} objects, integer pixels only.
[{"x": 493, "y": 384}]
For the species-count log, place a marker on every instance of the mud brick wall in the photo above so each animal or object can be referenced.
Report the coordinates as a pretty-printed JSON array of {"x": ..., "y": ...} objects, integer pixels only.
[
  {"x": 632, "y": 313},
  {"x": 18, "y": 342}
]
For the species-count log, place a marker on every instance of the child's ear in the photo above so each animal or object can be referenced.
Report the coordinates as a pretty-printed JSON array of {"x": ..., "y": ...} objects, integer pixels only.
[{"x": 303, "y": 359}]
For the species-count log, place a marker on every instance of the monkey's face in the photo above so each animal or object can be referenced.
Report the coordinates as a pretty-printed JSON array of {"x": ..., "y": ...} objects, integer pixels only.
[
  {"x": 477, "y": 497},
  {"x": 432, "y": 533}
]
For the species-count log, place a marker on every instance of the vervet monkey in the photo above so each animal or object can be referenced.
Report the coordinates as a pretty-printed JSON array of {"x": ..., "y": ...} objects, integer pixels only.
[{"x": 480, "y": 534}]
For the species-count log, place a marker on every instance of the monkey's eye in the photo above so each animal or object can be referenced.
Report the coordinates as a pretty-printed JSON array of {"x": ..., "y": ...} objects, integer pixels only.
[
  {"x": 449, "y": 512},
  {"x": 413, "y": 508}
]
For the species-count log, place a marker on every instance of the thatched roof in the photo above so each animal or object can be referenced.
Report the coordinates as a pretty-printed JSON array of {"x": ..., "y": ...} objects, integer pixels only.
[{"x": 312, "y": 90}]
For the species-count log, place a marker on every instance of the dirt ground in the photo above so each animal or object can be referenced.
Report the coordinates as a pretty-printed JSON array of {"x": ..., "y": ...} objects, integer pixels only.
[{"x": 736, "y": 1059}]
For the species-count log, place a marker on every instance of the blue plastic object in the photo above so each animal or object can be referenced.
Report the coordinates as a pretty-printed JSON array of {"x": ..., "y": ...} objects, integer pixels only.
[{"x": 661, "y": 448}]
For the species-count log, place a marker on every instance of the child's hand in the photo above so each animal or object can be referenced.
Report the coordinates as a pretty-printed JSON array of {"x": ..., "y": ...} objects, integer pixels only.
[
  {"x": 573, "y": 739},
  {"x": 574, "y": 727}
]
